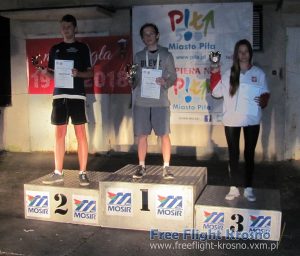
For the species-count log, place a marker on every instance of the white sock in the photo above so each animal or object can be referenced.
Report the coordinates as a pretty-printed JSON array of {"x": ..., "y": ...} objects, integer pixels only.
[
  {"x": 166, "y": 164},
  {"x": 81, "y": 172},
  {"x": 142, "y": 163},
  {"x": 58, "y": 172}
]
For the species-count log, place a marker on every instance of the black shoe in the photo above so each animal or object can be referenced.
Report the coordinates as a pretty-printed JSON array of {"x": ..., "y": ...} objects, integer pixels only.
[
  {"x": 167, "y": 173},
  {"x": 140, "y": 172},
  {"x": 83, "y": 179}
]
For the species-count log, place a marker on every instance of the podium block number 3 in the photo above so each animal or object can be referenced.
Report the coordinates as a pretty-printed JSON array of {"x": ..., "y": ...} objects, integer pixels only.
[{"x": 238, "y": 221}]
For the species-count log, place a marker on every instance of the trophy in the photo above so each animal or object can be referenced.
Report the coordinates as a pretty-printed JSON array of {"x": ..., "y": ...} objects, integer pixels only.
[
  {"x": 131, "y": 70},
  {"x": 122, "y": 43},
  {"x": 37, "y": 62},
  {"x": 214, "y": 58}
]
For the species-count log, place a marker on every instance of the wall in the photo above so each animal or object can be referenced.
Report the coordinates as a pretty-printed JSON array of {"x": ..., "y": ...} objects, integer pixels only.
[{"x": 27, "y": 123}]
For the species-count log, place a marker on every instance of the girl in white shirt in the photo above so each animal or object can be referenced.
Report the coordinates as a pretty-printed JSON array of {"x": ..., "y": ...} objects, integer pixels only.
[{"x": 236, "y": 86}]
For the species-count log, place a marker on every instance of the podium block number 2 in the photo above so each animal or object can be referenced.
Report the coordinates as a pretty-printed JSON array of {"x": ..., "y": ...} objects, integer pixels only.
[{"x": 62, "y": 199}]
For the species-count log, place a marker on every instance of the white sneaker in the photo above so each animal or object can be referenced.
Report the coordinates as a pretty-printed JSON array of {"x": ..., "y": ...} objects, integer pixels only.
[
  {"x": 233, "y": 193},
  {"x": 248, "y": 193}
]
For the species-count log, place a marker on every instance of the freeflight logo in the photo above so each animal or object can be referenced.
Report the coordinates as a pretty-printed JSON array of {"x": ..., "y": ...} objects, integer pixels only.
[
  {"x": 169, "y": 206},
  {"x": 213, "y": 221},
  {"x": 37, "y": 204},
  {"x": 85, "y": 209},
  {"x": 260, "y": 224},
  {"x": 119, "y": 203}
]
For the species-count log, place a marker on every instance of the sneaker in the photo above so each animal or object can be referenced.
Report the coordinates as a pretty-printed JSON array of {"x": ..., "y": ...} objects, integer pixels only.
[
  {"x": 233, "y": 193},
  {"x": 83, "y": 179},
  {"x": 167, "y": 174},
  {"x": 53, "y": 178},
  {"x": 140, "y": 172},
  {"x": 248, "y": 193}
]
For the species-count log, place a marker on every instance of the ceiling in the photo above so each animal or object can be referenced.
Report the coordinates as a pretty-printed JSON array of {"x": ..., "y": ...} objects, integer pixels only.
[
  {"x": 45, "y": 10},
  {"x": 55, "y": 13}
]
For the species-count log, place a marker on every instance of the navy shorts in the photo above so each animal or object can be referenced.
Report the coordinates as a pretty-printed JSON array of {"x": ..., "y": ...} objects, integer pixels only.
[
  {"x": 63, "y": 109},
  {"x": 147, "y": 118}
]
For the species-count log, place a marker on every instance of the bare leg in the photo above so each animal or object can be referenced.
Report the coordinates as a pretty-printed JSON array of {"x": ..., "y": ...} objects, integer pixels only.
[
  {"x": 59, "y": 150},
  {"x": 82, "y": 146},
  {"x": 142, "y": 147},
  {"x": 166, "y": 148}
]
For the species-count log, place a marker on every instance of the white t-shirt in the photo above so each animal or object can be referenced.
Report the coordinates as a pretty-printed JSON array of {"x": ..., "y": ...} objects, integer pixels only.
[{"x": 231, "y": 117}]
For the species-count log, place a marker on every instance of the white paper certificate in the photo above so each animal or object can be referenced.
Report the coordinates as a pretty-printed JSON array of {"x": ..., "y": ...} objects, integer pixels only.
[
  {"x": 150, "y": 89},
  {"x": 63, "y": 74},
  {"x": 245, "y": 100}
]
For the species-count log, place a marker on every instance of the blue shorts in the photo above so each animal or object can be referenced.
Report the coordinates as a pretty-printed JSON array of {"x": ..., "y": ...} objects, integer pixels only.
[
  {"x": 63, "y": 109},
  {"x": 147, "y": 118}
]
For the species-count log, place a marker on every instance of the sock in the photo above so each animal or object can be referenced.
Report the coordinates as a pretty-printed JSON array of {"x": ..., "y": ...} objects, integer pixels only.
[
  {"x": 58, "y": 172},
  {"x": 142, "y": 163},
  {"x": 166, "y": 164},
  {"x": 81, "y": 172}
]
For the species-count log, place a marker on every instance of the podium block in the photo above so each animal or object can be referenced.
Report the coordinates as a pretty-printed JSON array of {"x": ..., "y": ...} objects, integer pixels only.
[
  {"x": 151, "y": 202},
  {"x": 239, "y": 218},
  {"x": 66, "y": 202}
]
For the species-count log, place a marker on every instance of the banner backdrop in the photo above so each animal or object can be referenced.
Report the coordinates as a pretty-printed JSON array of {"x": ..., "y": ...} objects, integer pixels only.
[
  {"x": 191, "y": 32},
  {"x": 109, "y": 56}
]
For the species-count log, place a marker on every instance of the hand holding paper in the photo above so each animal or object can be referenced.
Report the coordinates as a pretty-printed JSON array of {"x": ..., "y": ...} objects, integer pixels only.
[
  {"x": 262, "y": 100},
  {"x": 160, "y": 81},
  {"x": 150, "y": 87},
  {"x": 63, "y": 74},
  {"x": 246, "y": 99}
]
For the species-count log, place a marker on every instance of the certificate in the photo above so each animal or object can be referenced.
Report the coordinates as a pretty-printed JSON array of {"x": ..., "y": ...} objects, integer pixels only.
[
  {"x": 63, "y": 74},
  {"x": 245, "y": 99},
  {"x": 150, "y": 89}
]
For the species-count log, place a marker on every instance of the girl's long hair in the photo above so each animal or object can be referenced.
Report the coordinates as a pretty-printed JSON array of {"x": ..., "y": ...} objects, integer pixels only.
[{"x": 235, "y": 68}]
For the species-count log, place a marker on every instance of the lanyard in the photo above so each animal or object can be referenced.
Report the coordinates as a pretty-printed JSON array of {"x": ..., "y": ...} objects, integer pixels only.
[{"x": 147, "y": 60}]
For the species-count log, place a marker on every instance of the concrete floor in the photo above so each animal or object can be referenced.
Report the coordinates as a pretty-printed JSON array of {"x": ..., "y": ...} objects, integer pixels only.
[{"x": 19, "y": 236}]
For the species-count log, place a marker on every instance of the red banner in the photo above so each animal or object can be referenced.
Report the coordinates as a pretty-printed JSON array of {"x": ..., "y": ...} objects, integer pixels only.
[{"x": 109, "y": 55}]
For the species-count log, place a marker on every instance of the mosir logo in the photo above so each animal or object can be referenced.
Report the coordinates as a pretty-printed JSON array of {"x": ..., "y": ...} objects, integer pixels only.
[
  {"x": 260, "y": 224},
  {"x": 170, "y": 206},
  {"x": 37, "y": 204},
  {"x": 213, "y": 221},
  {"x": 84, "y": 209},
  {"x": 118, "y": 202}
]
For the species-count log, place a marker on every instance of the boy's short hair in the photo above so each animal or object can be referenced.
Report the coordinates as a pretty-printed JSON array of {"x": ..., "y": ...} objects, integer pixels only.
[
  {"x": 69, "y": 18},
  {"x": 149, "y": 25}
]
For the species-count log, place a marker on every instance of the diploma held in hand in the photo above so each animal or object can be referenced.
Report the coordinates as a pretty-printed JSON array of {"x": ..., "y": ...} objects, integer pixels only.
[
  {"x": 245, "y": 102},
  {"x": 150, "y": 89},
  {"x": 63, "y": 74}
]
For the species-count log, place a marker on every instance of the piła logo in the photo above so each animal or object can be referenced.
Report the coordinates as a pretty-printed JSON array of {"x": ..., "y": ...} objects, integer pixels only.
[{"x": 190, "y": 25}]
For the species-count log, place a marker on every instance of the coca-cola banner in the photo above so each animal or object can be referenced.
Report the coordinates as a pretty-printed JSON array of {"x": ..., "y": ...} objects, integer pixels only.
[{"x": 109, "y": 55}]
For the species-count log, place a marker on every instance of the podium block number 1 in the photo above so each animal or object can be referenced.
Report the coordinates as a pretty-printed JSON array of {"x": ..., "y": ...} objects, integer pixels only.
[{"x": 145, "y": 200}]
